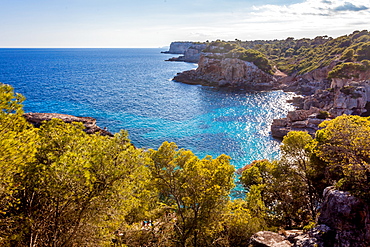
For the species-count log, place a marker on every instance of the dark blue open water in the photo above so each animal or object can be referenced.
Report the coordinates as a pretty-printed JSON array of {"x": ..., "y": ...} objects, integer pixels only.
[{"x": 132, "y": 89}]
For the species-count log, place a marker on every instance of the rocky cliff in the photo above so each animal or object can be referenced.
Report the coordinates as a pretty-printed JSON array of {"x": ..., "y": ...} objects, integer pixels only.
[
  {"x": 344, "y": 221},
  {"x": 331, "y": 99},
  {"x": 308, "y": 83},
  {"x": 90, "y": 123},
  {"x": 191, "y": 55},
  {"x": 231, "y": 72},
  {"x": 179, "y": 47}
]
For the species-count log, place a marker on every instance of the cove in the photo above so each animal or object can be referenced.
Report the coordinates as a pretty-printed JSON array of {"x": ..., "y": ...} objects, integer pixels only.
[{"x": 132, "y": 89}]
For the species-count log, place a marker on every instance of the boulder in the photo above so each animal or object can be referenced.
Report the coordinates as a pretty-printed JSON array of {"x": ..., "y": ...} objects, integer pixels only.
[
  {"x": 347, "y": 216},
  {"x": 298, "y": 120},
  {"x": 300, "y": 124},
  {"x": 320, "y": 236},
  {"x": 298, "y": 115},
  {"x": 268, "y": 239}
]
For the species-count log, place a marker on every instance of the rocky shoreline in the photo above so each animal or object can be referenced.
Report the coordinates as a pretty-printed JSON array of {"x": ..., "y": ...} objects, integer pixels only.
[
  {"x": 37, "y": 119},
  {"x": 342, "y": 96}
]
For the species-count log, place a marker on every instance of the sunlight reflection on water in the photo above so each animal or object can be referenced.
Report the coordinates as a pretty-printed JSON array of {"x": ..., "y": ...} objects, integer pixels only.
[{"x": 132, "y": 89}]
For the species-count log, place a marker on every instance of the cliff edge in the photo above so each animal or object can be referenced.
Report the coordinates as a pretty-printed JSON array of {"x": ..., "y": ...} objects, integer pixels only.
[
  {"x": 344, "y": 221},
  {"x": 179, "y": 47},
  {"x": 37, "y": 119},
  {"x": 228, "y": 72}
]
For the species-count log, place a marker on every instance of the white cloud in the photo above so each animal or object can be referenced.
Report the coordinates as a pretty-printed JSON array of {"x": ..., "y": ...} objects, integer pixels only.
[
  {"x": 307, "y": 19},
  {"x": 350, "y": 7},
  {"x": 315, "y": 8}
]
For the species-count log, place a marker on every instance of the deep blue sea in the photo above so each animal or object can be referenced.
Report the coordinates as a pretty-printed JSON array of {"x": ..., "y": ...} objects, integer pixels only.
[{"x": 132, "y": 89}]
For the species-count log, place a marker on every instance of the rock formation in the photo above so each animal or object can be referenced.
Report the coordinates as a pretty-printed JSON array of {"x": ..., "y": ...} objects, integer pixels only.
[
  {"x": 344, "y": 221},
  {"x": 299, "y": 120},
  {"x": 268, "y": 239},
  {"x": 230, "y": 72},
  {"x": 347, "y": 217},
  {"x": 308, "y": 83},
  {"x": 179, "y": 47},
  {"x": 191, "y": 55},
  {"x": 90, "y": 123},
  {"x": 342, "y": 96}
]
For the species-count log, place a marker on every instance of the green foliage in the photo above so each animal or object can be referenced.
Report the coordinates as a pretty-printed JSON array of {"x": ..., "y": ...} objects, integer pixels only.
[
  {"x": 10, "y": 103},
  {"x": 344, "y": 145},
  {"x": 257, "y": 58},
  {"x": 323, "y": 115},
  {"x": 219, "y": 46},
  {"x": 195, "y": 190},
  {"x": 348, "y": 54},
  {"x": 366, "y": 63},
  {"x": 304, "y": 55},
  {"x": 242, "y": 219},
  {"x": 291, "y": 188},
  {"x": 363, "y": 52},
  {"x": 17, "y": 149},
  {"x": 347, "y": 70},
  {"x": 62, "y": 186},
  {"x": 287, "y": 187}
]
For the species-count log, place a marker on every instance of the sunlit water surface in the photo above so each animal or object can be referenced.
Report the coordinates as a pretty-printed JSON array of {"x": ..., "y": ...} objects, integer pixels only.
[{"x": 132, "y": 89}]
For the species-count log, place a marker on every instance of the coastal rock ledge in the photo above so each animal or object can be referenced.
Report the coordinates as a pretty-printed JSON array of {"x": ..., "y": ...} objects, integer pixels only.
[
  {"x": 228, "y": 72},
  {"x": 90, "y": 123}
]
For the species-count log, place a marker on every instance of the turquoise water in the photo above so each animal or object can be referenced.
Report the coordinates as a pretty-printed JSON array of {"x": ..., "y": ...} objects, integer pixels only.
[{"x": 132, "y": 89}]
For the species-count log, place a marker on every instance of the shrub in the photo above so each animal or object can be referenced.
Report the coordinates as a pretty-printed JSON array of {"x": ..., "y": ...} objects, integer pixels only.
[{"x": 346, "y": 70}]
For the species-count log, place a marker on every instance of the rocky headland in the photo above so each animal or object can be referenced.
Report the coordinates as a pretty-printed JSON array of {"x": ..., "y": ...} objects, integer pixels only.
[
  {"x": 37, "y": 119},
  {"x": 228, "y": 72},
  {"x": 191, "y": 54},
  {"x": 179, "y": 47}
]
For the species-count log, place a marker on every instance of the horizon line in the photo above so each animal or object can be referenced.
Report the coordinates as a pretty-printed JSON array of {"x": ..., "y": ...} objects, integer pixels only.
[{"x": 81, "y": 47}]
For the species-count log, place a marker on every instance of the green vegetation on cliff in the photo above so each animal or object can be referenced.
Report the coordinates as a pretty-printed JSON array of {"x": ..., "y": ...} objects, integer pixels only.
[
  {"x": 299, "y": 56},
  {"x": 231, "y": 50},
  {"x": 349, "y": 69},
  {"x": 304, "y": 55}
]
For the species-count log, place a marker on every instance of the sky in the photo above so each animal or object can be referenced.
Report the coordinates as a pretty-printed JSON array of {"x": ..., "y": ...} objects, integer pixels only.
[{"x": 156, "y": 23}]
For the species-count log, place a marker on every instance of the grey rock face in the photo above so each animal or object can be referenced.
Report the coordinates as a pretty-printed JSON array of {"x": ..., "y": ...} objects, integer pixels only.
[
  {"x": 268, "y": 239},
  {"x": 230, "y": 72},
  {"x": 90, "y": 123},
  {"x": 347, "y": 216},
  {"x": 179, "y": 47}
]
